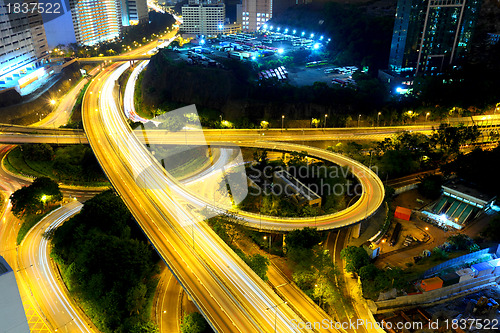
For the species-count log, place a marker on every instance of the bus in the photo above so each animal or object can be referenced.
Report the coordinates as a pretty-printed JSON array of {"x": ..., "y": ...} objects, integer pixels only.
[{"x": 316, "y": 63}]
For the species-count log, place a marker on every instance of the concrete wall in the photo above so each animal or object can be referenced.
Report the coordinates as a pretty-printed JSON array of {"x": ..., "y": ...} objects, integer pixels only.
[
  {"x": 400, "y": 190},
  {"x": 461, "y": 259},
  {"x": 435, "y": 296}
]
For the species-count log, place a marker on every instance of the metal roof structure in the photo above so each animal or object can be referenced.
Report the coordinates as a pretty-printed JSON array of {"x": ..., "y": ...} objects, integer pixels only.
[{"x": 12, "y": 316}]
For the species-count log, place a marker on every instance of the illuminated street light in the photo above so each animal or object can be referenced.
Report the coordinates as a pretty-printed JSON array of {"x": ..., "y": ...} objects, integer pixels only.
[
  {"x": 324, "y": 125},
  {"x": 303, "y": 33},
  {"x": 359, "y": 117},
  {"x": 280, "y": 50},
  {"x": 275, "y": 312},
  {"x": 282, "y": 122},
  {"x": 378, "y": 118},
  {"x": 294, "y": 31},
  {"x": 53, "y": 101},
  {"x": 427, "y": 115}
]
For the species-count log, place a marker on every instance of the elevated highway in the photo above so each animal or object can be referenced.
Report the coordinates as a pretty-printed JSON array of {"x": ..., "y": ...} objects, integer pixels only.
[{"x": 231, "y": 296}]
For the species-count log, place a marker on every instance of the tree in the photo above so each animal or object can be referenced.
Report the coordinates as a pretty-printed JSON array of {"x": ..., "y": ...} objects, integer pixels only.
[
  {"x": 38, "y": 151},
  {"x": 194, "y": 323},
  {"x": 430, "y": 186},
  {"x": 106, "y": 260},
  {"x": 259, "y": 264},
  {"x": 33, "y": 198},
  {"x": 303, "y": 238},
  {"x": 460, "y": 241},
  {"x": 355, "y": 258}
]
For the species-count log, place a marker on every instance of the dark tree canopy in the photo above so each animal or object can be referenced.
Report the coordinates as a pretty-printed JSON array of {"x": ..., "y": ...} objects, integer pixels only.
[
  {"x": 33, "y": 198},
  {"x": 355, "y": 258},
  {"x": 305, "y": 238},
  {"x": 107, "y": 262}
]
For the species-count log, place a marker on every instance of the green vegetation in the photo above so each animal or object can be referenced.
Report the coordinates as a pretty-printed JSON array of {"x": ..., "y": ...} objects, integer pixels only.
[
  {"x": 194, "y": 323},
  {"x": 30, "y": 220},
  {"x": 230, "y": 230},
  {"x": 332, "y": 183},
  {"x": 132, "y": 37},
  {"x": 355, "y": 258},
  {"x": 375, "y": 280},
  {"x": 243, "y": 100},
  {"x": 31, "y": 203},
  {"x": 408, "y": 152},
  {"x": 430, "y": 186},
  {"x": 75, "y": 164},
  {"x": 76, "y": 113},
  {"x": 313, "y": 268},
  {"x": 108, "y": 265},
  {"x": 34, "y": 198},
  {"x": 180, "y": 162}
]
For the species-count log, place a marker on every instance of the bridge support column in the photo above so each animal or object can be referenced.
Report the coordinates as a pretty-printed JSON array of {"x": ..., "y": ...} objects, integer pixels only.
[{"x": 356, "y": 230}]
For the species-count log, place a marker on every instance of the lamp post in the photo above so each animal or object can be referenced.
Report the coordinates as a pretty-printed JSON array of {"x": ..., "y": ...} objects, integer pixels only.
[
  {"x": 359, "y": 117},
  {"x": 427, "y": 116},
  {"x": 265, "y": 237},
  {"x": 378, "y": 118},
  {"x": 275, "y": 312},
  {"x": 282, "y": 122},
  {"x": 324, "y": 125}
]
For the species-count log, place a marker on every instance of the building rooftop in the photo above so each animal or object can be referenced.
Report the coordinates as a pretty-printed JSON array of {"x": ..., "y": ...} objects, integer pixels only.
[
  {"x": 462, "y": 187},
  {"x": 12, "y": 316}
]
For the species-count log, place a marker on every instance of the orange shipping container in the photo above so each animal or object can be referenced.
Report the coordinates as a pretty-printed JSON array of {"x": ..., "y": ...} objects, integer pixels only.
[
  {"x": 402, "y": 213},
  {"x": 431, "y": 284}
]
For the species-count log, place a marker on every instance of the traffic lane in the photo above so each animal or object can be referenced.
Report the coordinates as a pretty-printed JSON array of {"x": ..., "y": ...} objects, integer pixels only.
[
  {"x": 168, "y": 302},
  {"x": 164, "y": 244},
  {"x": 42, "y": 280}
]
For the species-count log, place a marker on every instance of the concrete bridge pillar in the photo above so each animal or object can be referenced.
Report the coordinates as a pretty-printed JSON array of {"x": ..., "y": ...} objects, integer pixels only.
[{"x": 356, "y": 230}]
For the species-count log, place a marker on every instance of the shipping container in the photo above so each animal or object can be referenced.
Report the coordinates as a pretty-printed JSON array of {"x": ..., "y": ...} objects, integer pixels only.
[
  {"x": 482, "y": 269},
  {"x": 431, "y": 284},
  {"x": 465, "y": 274},
  {"x": 402, "y": 213},
  {"x": 450, "y": 278}
]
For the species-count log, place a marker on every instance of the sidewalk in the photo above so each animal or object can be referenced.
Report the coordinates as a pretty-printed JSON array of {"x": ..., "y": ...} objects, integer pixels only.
[{"x": 353, "y": 286}]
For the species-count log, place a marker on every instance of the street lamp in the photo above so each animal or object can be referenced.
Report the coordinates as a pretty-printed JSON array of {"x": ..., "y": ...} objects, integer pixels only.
[
  {"x": 265, "y": 237},
  {"x": 427, "y": 115},
  {"x": 275, "y": 312},
  {"x": 282, "y": 122},
  {"x": 359, "y": 117},
  {"x": 378, "y": 118},
  {"x": 53, "y": 101},
  {"x": 324, "y": 125}
]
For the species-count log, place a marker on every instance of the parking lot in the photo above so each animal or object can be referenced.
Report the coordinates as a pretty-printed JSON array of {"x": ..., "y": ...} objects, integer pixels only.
[{"x": 266, "y": 46}]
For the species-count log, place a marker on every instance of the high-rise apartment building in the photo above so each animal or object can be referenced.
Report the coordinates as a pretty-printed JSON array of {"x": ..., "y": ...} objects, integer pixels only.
[
  {"x": 23, "y": 46},
  {"x": 203, "y": 17},
  {"x": 255, "y": 13},
  {"x": 96, "y": 21},
  {"x": 134, "y": 12},
  {"x": 431, "y": 35}
]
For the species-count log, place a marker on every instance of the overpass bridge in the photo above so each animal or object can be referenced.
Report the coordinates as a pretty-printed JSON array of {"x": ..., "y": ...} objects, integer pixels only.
[{"x": 115, "y": 58}]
